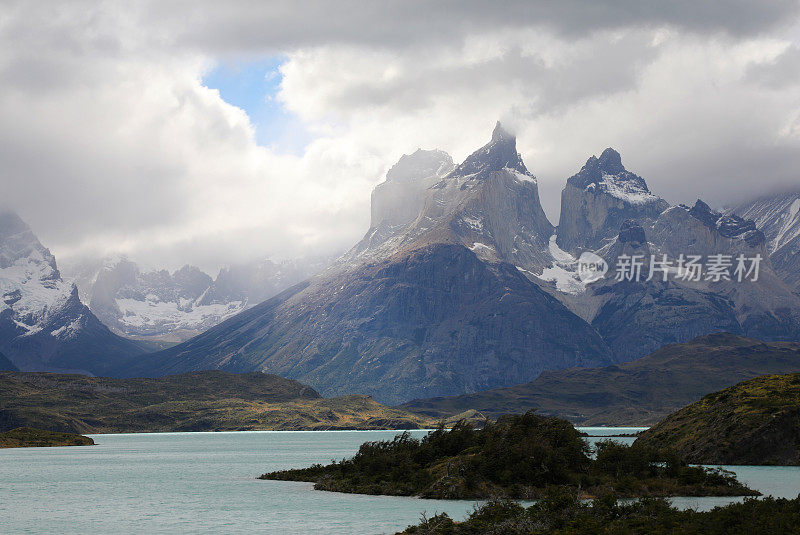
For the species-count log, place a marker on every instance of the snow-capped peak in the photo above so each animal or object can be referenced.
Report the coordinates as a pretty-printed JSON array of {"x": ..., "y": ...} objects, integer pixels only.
[
  {"x": 622, "y": 187},
  {"x": 606, "y": 174}
]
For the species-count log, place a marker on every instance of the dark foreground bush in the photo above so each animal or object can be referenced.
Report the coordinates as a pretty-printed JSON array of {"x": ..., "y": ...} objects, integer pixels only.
[{"x": 563, "y": 513}]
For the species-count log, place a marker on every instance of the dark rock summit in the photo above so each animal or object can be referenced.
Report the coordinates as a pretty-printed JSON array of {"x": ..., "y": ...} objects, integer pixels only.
[
  {"x": 728, "y": 225},
  {"x": 500, "y": 152},
  {"x": 609, "y": 163},
  {"x": 632, "y": 232},
  {"x": 598, "y": 199}
]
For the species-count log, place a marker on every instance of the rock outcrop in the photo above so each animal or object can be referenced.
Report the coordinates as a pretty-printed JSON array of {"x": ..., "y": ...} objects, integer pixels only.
[{"x": 598, "y": 199}]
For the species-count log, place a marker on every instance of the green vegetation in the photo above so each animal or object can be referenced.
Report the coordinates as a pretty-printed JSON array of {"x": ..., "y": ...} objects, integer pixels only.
[
  {"x": 198, "y": 401},
  {"x": 753, "y": 422},
  {"x": 565, "y": 514},
  {"x": 26, "y": 437},
  {"x": 640, "y": 392},
  {"x": 521, "y": 456}
]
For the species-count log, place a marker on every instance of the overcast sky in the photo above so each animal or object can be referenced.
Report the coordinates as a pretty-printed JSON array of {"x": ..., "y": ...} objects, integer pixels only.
[{"x": 216, "y": 132}]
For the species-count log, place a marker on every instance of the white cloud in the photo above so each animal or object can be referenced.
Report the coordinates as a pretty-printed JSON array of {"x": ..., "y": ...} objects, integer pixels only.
[{"x": 109, "y": 141}]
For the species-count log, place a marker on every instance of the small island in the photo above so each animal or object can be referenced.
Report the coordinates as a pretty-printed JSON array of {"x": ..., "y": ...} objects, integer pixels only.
[
  {"x": 756, "y": 422},
  {"x": 520, "y": 457},
  {"x": 28, "y": 437}
]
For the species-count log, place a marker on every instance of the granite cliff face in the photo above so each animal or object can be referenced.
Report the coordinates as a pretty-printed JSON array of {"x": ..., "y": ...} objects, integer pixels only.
[
  {"x": 638, "y": 316},
  {"x": 462, "y": 284},
  {"x": 43, "y": 324},
  {"x": 489, "y": 204},
  {"x": 609, "y": 211},
  {"x": 436, "y": 305},
  {"x": 598, "y": 199}
]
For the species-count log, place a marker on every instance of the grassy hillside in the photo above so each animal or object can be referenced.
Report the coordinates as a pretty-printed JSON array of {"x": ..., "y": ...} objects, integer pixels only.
[
  {"x": 520, "y": 456},
  {"x": 26, "y": 437},
  {"x": 641, "y": 392},
  {"x": 198, "y": 401},
  {"x": 754, "y": 422}
]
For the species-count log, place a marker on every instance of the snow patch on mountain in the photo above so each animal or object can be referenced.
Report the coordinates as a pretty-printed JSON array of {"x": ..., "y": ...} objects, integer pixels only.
[
  {"x": 474, "y": 223},
  {"x": 521, "y": 177},
  {"x": 624, "y": 189},
  {"x": 563, "y": 273},
  {"x": 173, "y": 315},
  {"x": 175, "y": 306},
  {"x": 566, "y": 281},
  {"x": 559, "y": 255}
]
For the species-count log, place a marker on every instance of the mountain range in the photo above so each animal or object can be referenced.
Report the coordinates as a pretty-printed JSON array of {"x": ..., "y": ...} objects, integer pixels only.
[
  {"x": 461, "y": 284},
  {"x": 172, "y": 307}
]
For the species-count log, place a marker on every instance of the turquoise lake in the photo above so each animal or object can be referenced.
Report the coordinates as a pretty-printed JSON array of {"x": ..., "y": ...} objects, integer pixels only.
[{"x": 205, "y": 483}]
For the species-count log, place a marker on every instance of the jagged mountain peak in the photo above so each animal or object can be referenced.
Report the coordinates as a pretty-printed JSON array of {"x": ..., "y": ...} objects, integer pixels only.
[
  {"x": 606, "y": 174},
  {"x": 20, "y": 246},
  {"x": 189, "y": 270},
  {"x": 500, "y": 152},
  {"x": 728, "y": 225},
  {"x": 599, "y": 198},
  {"x": 609, "y": 164},
  {"x": 490, "y": 203},
  {"x": 501, "y": 134},
  {"x": 43, "y": 324},
  {"x": 610, "y": 161},
  {"x": 778, "y": 217},
  {"x": 420, "y": 164}
]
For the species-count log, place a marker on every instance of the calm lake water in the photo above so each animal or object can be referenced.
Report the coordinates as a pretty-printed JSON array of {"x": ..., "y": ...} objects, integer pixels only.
[{"x": 205, "y": 483}]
